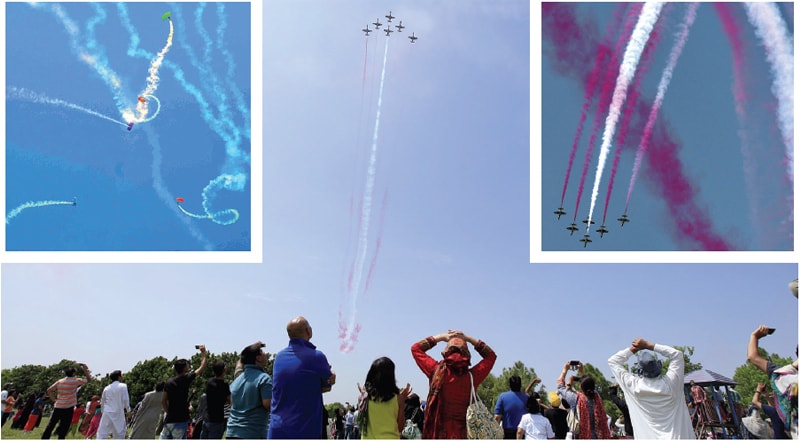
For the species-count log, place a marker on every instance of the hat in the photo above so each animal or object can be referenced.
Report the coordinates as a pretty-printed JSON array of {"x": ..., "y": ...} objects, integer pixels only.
[
  {"x": 459, "y": 344},
  {"x": 757, "y": 426},
  {"x": 554, "y": 399},
  {"x": 649, "y": 366}
]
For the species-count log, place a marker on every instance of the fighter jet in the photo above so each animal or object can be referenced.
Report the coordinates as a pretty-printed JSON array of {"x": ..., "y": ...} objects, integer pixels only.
[
  {"x": 623, "y": 219},
  {"x": 572, "y": 229},
  {"x": 400, "y": 26},
  {"x": 413, "y": 38},
  {"x": 130, "y": 125},
  {"x": 560, "y": 212},
  {"x": 389, "y": 17},
  {"x": 74, "y": 201},
  {"x": 585, "y": 240},
  {"x": 587, "y": 221},
  {"x": 367, "y": 31},
  {"x": 602, "y": 230},
  {"x": 377, "y": 24},
  {"x": 388, "y": 31}
]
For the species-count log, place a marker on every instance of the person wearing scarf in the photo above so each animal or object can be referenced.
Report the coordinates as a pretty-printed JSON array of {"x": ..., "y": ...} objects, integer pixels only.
[
  {"x": 593, "y": 423},
  {"x": 449, "y": 393}
]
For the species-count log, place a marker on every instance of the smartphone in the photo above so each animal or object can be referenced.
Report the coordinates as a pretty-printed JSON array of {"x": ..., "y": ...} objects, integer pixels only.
[
  {"x": 574, "y": 363},
  {"x": 770, "y": 331},
  {"x": 197, "y": 347}
]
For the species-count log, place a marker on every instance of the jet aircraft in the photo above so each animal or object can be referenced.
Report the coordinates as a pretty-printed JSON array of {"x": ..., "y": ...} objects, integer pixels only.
[
  {"x": 377, "y": 24},
  {"x": 390, "y": 17},
  {"x": 412, "y": 37},
  {"x": 572, "y": 229},
  {"x": 585, "y": 240},
  {"x": 623, "y": 219},
  {"x": 388, "y": 31},
  {"x": 74, "y": 201},
  {"x": 560, "y": 212},
  {"x": 602, "y": 230},
  {"x": 400, "y": 26},
  {"x": 367, "y": 30},
  {"x": 130, "y": 125}
]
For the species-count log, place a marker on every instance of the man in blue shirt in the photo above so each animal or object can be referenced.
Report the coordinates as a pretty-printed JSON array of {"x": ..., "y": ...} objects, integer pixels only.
[
  {"x": 251, "y": 395},
  {"x": 301, "y": 374},
  {"x": 510, "y": 407}
]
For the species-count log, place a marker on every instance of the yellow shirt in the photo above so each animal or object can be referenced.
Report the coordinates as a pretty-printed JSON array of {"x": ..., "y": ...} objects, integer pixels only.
[{"x": 382, "y": 420}]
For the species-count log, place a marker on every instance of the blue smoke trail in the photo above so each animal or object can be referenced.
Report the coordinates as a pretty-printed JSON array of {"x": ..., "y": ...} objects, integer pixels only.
[
  {"x": 241, "y": 104},
  {"x": 42, "y": 203}
]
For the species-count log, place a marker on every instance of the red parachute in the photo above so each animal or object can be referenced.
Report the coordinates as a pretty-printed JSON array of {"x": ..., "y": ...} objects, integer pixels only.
[{"x": 179, "y": 199}]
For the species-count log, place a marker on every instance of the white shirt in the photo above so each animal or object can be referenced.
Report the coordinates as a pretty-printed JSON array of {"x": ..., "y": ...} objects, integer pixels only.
[
  {"x": 657, "y": 405},
  {"x": 115, "y": 398},
  {"x": 536, "y": 426}
]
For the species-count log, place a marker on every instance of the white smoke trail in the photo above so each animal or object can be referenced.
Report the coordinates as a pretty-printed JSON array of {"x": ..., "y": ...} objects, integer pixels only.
[
  {"x": 30, "y": 96},
  {"x": 630, "y": 59},
  {"x": 680, "y": 41},
  {"x": 773, "y": 33},
  {"x": 42, "y": 203},
  {"x": 366, "y": 214}
]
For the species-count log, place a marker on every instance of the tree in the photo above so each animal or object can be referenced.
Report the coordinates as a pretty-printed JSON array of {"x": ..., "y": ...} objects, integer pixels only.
[
  {"x": 688, "y": 365},
  {"x": 144, "y": 376},
  {"x": 491, "y": 387},
  {"x": 748, "y": 375}
]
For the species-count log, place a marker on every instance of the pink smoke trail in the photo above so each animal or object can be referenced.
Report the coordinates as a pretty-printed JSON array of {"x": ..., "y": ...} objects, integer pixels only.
[
  {"x": 630, "y": 105},
  {"x": 590, "y": 90},
  {"x": 680, "y": 41},
  {"x": 378, "y": 239},
  {"x": 568, "y": 41},
  {"x": 605, "y": 96},
  {"x": 630, "y": 60}
]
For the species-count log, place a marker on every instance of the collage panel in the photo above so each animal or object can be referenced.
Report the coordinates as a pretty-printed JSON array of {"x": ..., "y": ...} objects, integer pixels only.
[
  {"x": 665, "y": 128},
  {"x": 528, "y": 320},
  {"x": 133, "y": 138}
]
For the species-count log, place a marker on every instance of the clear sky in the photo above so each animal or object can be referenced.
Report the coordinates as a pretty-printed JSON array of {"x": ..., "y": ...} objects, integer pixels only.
[
  {"x": 452, "y": 161},
  {"x": 741, "y": 191},
  {"x": 126, "y": 182}
]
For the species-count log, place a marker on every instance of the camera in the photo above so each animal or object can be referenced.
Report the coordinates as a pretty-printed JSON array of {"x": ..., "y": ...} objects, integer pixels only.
[{"x": 197, "y": 346}]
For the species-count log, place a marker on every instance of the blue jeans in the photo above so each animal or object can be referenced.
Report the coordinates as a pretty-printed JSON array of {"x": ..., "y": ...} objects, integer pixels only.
[
  {"x": 212, "y": 430},
  {"x": 174, "y": 430}
]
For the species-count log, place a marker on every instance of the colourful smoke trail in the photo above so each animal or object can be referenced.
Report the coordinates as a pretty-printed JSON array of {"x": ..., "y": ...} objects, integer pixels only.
[
  {"x": 349, "y": 330},
  {"x": 569, "y": 42},
  {"x": 630, "y": 106},
  {"x": 680, "y": 41},
  {"x": 152, "y": 78},
  {"x": 42, "y": 203},
  {"x": 630, "y": 59},
  {"x": 771, "y": 30}
]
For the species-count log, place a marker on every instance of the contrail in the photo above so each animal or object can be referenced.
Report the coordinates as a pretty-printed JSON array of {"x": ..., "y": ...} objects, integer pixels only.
[
  {"x": 771, "y": 30},
  {"x": 152, "y": 78},
  {"x": 680, "y": 41},
  {"x": 42, "y": 203},
  {"x": 351, "y": 329},
  {"x": 630, "y": 59}
]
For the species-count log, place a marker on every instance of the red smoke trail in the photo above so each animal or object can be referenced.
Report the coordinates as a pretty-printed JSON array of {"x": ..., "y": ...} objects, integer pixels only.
[
  {"x": 630, "y": 104},
  {"x": 591, "y": 88},
  {"x": 609, "y": 82},
  {"x": 567, "y": 40},
  {"x": 378, "y": 239}
]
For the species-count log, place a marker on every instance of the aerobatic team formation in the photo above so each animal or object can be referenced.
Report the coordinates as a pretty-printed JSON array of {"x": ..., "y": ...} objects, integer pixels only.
[
  {"x": 364, "y": 237},
  {"x": 222, "y": 105},
  {"x": 622, "y": 58}
]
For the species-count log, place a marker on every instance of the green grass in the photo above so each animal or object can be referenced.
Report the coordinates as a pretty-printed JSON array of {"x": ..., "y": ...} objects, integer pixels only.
[{"x": 8, "y": 433}]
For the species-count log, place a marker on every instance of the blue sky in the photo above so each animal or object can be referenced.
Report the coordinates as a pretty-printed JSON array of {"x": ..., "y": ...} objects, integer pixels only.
[
  {"x": 126, "y": 182},
  {"x": 453, "y": 152},
  {"x": 699, "y": 110}
]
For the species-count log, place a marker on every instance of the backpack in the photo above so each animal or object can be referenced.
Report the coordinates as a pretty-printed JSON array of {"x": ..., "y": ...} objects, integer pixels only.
[{"x": 574, "y": 422}]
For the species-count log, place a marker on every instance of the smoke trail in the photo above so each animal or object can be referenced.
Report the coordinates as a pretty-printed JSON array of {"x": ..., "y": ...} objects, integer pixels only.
[
  {"x": 771, "y": 30},
  {"x": 378, "y": 239},
  {"x": 630, "y": 105},
  {"x": 42, "y": 203},
  {"x": 605, "y": 97},
  {"x": 152, "y": 78},
  {"x": 241, "y": 102},
  {"x": 590, "y": 90},
  {"x": 14, "y": 93},
  {"x": 366, "y": 214},
  {"x": 680, "y": 41},
  {"x": 644, "y": 26},
  {"x": 569, "y": 42}
]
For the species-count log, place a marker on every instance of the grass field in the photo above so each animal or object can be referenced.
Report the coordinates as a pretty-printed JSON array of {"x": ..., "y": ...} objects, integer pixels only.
[{"x": 8, "y": 433}]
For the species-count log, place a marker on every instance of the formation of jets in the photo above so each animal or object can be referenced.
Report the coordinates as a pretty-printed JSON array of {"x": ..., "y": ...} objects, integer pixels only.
[
  {"x": 573, "y": 227},
  {"x": 388, "y": 30}
]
